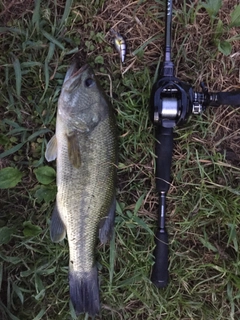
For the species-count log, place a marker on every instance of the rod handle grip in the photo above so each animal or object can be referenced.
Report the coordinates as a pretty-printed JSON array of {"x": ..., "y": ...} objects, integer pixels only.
[
  {"x": 160, "y": 268},
  {"x": 164, "y": 150}
]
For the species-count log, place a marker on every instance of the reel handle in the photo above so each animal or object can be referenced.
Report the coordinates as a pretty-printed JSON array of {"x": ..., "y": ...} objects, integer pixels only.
[{"x": 224, "y": 98}]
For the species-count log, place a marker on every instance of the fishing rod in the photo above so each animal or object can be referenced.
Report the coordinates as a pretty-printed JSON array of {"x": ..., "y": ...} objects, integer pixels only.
[{"x": 172, "y": 101}]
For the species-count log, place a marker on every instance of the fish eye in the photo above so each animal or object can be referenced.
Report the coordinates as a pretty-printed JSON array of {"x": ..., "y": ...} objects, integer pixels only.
[{"x": 89, "y": 82}]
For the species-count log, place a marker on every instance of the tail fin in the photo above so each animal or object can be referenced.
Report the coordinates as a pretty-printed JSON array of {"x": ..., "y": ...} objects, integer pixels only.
[{"x": 84, "y": 291}]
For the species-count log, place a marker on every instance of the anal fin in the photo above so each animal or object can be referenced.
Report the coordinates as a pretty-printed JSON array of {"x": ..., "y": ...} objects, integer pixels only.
[
  {"x": 57, "y": 227},
  {"x": 107, "y": 224}
]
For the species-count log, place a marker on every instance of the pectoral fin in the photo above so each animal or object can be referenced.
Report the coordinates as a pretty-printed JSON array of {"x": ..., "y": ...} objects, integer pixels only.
[
  {"x": 51, "y": 150},
  {"x": 107, "y": 224},
  {"x": 57, "y": 228},
  {"x": 74, "y": 149}
]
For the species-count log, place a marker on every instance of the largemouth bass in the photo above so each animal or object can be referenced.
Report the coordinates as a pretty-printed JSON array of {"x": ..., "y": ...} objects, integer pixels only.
[{"x": 86, "y": 151}]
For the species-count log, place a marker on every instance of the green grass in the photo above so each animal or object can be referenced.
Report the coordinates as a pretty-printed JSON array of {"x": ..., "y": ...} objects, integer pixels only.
[{"x": 38, "y": 41}]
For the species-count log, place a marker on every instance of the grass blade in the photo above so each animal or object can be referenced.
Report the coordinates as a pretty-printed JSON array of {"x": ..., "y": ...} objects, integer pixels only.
[
  {"x": 52, "y": 39},
  {"x": 235, "y": 17},
  {"x": 11, "y": 123},
  {"x": 31, "y": 64},
  {"x": 11, "y": 150},
  {"x": 19, "y": 146},
  {"x": 13, "y": 30},
  {"x": 112, "y": 258},
  {"x": 40, "y": 314},
  {"x": 38, "y": 133},
  {"x": 46, "y": 67},
  {"x": 16, "y": 130},
  {"x": 66, "y": 12},
  {"x": 1, "y": 274},
  {"x": 18, "y": 292},
  {"x": 144, "y": 45},
  {"x": 18, "y": 75},
  {"x": 138, "y": 204},
  {"x": 11, "y": 316},
  {"x": 36, "y": 14}
]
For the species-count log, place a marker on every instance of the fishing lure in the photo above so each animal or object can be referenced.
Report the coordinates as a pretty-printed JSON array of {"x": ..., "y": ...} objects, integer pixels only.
[{"x": 120, "y": 44}]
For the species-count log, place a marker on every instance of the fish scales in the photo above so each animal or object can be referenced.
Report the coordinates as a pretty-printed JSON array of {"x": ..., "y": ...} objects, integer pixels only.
[
  {"x": 80, "y": 191},
  {"x": 86, "y": 151}
]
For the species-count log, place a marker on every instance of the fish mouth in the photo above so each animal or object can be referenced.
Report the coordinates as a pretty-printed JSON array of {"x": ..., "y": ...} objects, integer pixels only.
[{"x": 74, "y": 71}]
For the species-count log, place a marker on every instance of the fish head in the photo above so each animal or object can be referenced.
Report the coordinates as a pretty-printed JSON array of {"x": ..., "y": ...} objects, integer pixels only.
[{"x": 82, "y": 103}]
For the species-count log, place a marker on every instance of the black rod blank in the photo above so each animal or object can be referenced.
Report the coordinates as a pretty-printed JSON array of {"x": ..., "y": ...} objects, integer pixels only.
[{"x": 168, "y": 29}]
